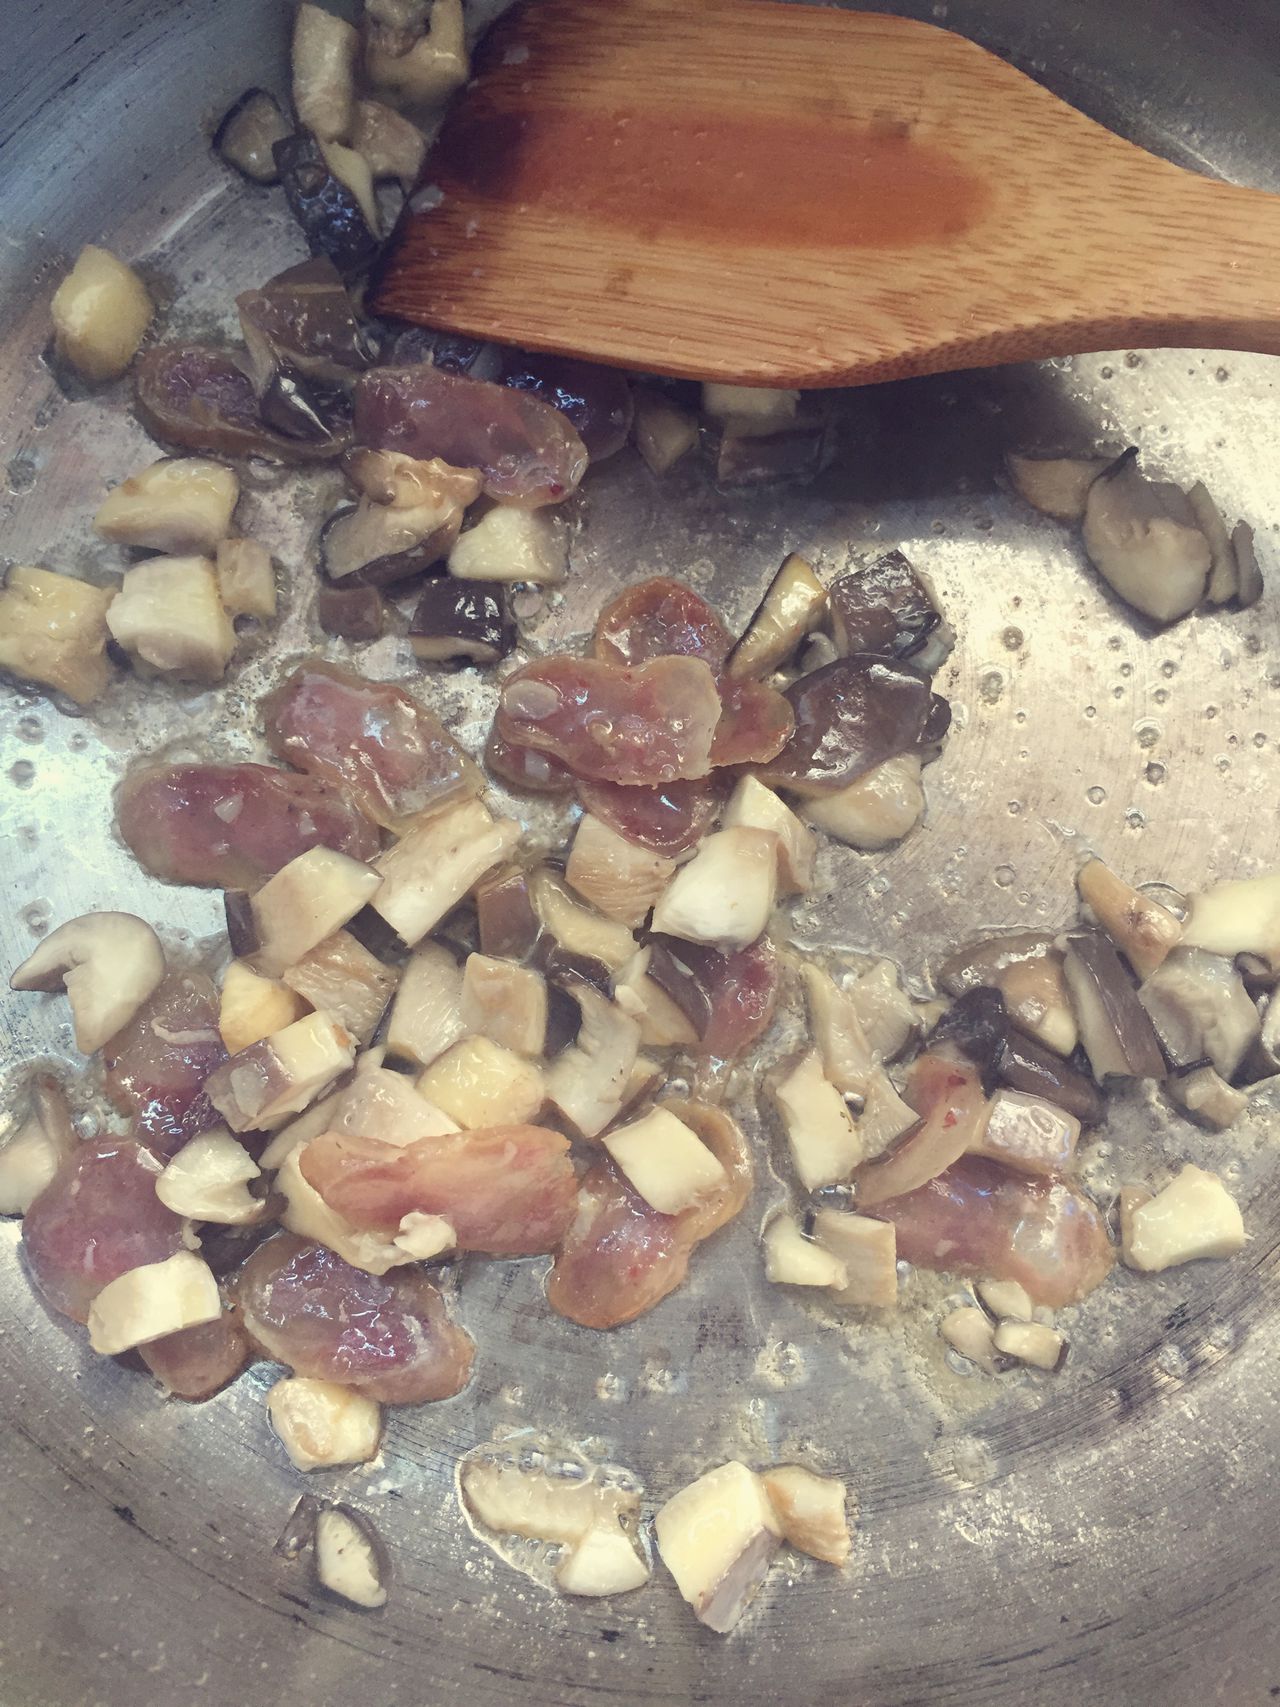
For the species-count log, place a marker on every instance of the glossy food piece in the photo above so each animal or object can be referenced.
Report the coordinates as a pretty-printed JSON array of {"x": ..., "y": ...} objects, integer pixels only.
[
  {"x": 743, "y": 991},
  {"x": 196, "y": 1362},
  {"x": 850, "y": 716},
  {"x": 157, "y": 1066},
  {"x": 979, "y": 1219},
  {"x": 526, "y": 768},
  {"x": 98, "y": 1218},
  {"x": 334, "y": 219},
  {"x": 195, "y": 397},
  {"x": 508, "y": 1190},
  {"x": 234, "y": 826},
  {"x": 527, "y": 451},
  {"x": 305, "y": 318},
  {"x": 668, "y": 818},
  {"x": 652, "y": 724},
  {"x": 756, "y": 722},
  {"x": 389, "y": 1336},
  {"x": 596, "y": 399},
  {"x": 395, "y": 757},
  {"x": 884, "y": 608},
  {"x": 660, "y": 618}
]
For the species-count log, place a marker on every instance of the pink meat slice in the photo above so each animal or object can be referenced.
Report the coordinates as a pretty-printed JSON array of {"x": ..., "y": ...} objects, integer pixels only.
[
  {"x": 509, "y": 1191},
  {"x": 157, "y": 1066},
  {"x": 652, "y": 724},
  {"x": 668, "y": 819},
  {"x": 979, "y": 1219},
  {"x": 97, "y": 1218},
  {"x": 523, "y": 768},
  {"x": 744, "y": 994},
  {"x": 233, "y": 826},
  {"x": 389, "y": 1336},
  {"x": 660, "y": 618},
  {"x": 195, "y": 1363},
  {"x": 756, "y": 722},
  {"x": 394, "y": 756}
]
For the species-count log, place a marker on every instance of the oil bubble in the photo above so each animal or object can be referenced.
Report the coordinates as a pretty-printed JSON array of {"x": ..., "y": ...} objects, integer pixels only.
[
  {"x": 1095, "y": 795},
  {"x": 1003, "y": 876},
  {"x": 22, "y": 773}
]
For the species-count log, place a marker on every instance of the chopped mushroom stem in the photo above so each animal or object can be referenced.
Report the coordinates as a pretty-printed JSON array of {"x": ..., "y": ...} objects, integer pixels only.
[
  {"x": 169, "y": 614},
  {"x": 665, "y": 1161},
  {"x": 426, "y": 1016},
  {"x": 256, "y": 1089},
  {"x": 246, "y": 579},
  {"x": 589, "y": 1082},
  {"x": 504, "y": 1002},
  {"x": 1057, "y": 486},
  {"x": 1143, "y": 539},
  {"x": 868, "y": 1251},
  {"x": 427, "y": 72},
  {"x": 32, "y": 1155},
  {"x": 509, "y": 544},
  {"x": 755, "y": 807},
  {"x": 249, "y": 132},
  {"x": 180, "y": 504},
  {"x": 619, "y": 878},
  {"x": 792, "y": 607},
  {"x": 151, "y": 1301},
  {"x": 1005, "y": 1300},
  {"x": 321, "y": 1424},
  {"x": 1194, "y": 1217},
  {"x": 1030, "y": 1342},
  {"x": 1238, "y": 917},
  {"x": 350, "y": 1559},
  {"x": 825, "y": 1146},
  {"x": 726, "y": 894},
  {"x": 108, "y": 963},
  {"x": 305, "y": 902},
  {"x": 101, "y": 312},
  {"x": 325, "y": 50},
  {"x": 811, "y": 1510},
  {"x": 504, "y": 1495},
  {"x": 53, "y": 631},
  {"x": 436, "y": 862},
  {"x": 252, "y": 1007},
  {"x": 880, "y": 808},
  {"x": 478, "y": 1083},
  {"x": 971, "y": 1332},
  {"x": 718, "y": 1537},
  {"x": 1140, "y": 927},
  {"x": 208, "y": 1180},
  {"x": 791, "y": 1259}
]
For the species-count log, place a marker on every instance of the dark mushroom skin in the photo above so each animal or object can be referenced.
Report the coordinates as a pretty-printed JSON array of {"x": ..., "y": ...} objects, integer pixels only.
[
  {"x": 686, "y": 972},
  {"x": 884, "y": 608},
  {"x": 462, "y": 619},
  {"x": 508, "y": 925},
  {"x": 195, "y": 397},
  {"x": 306, "y": 317},
  {"x": 343, "y": 544},
  {"x": 596, "y": 399},
  {"x": 797, "y": 453},
  {"x": 332, "y": 220},
  {"x": 242, "y": 927},
  {"x": 851, "y": 716},
  {"x": 351, "y": 613},
  {"x": 977, "y": 1024},
  {"x": 1025, "y": 1065},
  {"x": 1117, "y": 1034}
]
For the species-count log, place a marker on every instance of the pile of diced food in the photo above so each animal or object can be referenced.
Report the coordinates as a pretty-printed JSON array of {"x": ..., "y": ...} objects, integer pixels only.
[{"x": 433, "y": 1039}]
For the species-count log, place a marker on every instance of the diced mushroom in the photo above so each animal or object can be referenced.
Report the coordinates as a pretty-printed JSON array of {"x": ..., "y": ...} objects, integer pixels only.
[
  {"x": 888, "y": 607},
  {"x": 1004, "y": 1300},
  {"x": 1248, "y": 570},
  {"x": 180, "y": 504},
  {"x": 665, "y": 1161},
  {"x": 1224, "y": 577},
  {"x": 393, "y": 146},
  {"x": 462, "y": 619},
  {"x": 762, "y": 407},
  {"x": 718, "y": 1537},
  {"x": 888, "y": 1019},
  {"x": 1194, "y": 1216},
  {"x": 868, "y": 1251},
  {"x": 252, "y": 1007},
  {"x": 248, "y": 133},
  {"x": 847, "y": 1057},
  {"x": 208, "y": 1180},
  {"x": 329, "y": 189},
  {"x": 295, "y": 1133},
  {"x": 1142, "y": 537},
  {"x": 503, "y": 1495},
  {"x": 246, "y": 579},
  {"x": 321, "y": 1424},
  {"x": 256, "y": 1089},
  {"x": 576, "y": 929},
  {"x": 373, "y": 544},
  {"x": 325, "y": 50},
  {"x": 505, "y": 917},
  {"x": 1026, "y": 968},
  {"x": 32, "y": 1155},
  {"x": 351, "y": 1561},
  {"x": 426, "y": 72},
  {"x": 1140, "y": 927},
  {"x": 811, "y": 1510},
  {"x": 510, "y": 544},
  {"x": 1057, "y": 486},
  {"x": 1201, "y": 1010},
  {"x": 755, "y": 807},
  {"x": 663, "y": 1023},
  {"x": 1238, "y": 917},
  {"x": 146, "y": 1303},
  {"x": 108, "y": 963},
  {"x": 1030, "y": 1342},
  {"x": 791, "y": 1259},
  {"x": 618, "y": 877},
  {"x": 426, "y": 1016},
  {"x": 340, "y": 976},
  {"x": 435, "y": 863},
  {"x": 387, "y": 1106},
  {"x": 169, "y": 614},
  {"x": 1027, "y": 1134},
  {"x": 726, "y": 894},
  {"x": 663, "y": 431},
  {"x": 53, "y": 631},
  {"x": 504, "y": 1002},
  {"x": 791, "y": 608},
  {"x": 351, "y": 613},
  {"x": 101, "y": 312},
  {"x": 590, "y": 1081},
  {"x": 885, "y": 1117},
  {"x": 604, "y": 1562},
  {"x": 751, "y": 453},
  {"x": 305, "y": 902},
  {"x": 971, "y": 1332},
  {"x": 1207, "y": 1097},
  {"x": 478, "y": 1083},
  {"x": 1114, "y": 1028},
  {"x": 880, "y": 808},
  {"x": 825, "y": 1146}
]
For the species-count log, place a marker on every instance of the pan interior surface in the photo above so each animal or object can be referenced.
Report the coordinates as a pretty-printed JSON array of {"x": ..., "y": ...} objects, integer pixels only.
[{"x": 1104, "y": 1536}]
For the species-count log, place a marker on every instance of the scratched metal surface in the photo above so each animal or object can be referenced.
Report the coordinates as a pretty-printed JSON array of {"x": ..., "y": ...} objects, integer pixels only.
[{"x": 1107, "y": 1537}]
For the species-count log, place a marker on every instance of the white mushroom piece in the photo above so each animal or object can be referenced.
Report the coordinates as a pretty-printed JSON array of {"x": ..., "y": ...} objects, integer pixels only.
[
  {"x": 726, "y": 893},
  {"x": 109, "y": 963},
  {"x": 260, "y": 1087},
  {"x": 665, "y": 1161},
  {"x": 619, "y": 878},
  {"x": 824, "y": 1141},
  {"x": 1057, "y": 486},
  {"x": 208, "y": 1180},
  {"x": 793, "y": 605},
  {"x": 180, "y": 504},
  {"x": 480, "y": 1083},
  {"x": 510, "y": 544},
  {"x": 421, "y": 73},
  {"x": 718, "y": 1537},
  {"x": 101, "y": 312},
  {"x": 588, "y": 1082},
  {"x": 1241, "y": 916},
  {"x": 433, "y": 865},
  {"x": 350, "y": 1558},
  {"x": 251, "y": 1007},
  {"x": 32, "y": 1155},
  {"x": 325, "y": 51},
  {"x": 152, "y": 1301},
  {"x": 169, "y": 615},
  {"x": 320, "y": 1423},
  {"x": 811, "y": 1510},
  {"x": 1143, "y": 538},
  {"x": 305, "y": 902},
  {"x": 53, "y": 630},
  {"x": 1194, "y": 1217}
]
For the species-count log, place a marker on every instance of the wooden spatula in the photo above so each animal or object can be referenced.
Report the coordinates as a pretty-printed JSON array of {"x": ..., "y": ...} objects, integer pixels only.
[{"x": 784, "y": 195}]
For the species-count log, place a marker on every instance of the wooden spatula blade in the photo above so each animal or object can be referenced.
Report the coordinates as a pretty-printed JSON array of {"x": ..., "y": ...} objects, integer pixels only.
[{"x": 757, "y": 192}]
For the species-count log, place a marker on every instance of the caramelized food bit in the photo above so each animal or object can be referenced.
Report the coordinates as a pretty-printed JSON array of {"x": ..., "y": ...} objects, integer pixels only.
[
  {"x": 101, "y": 312},
  {"x": 850, "y": 716},
  {"x": 652, "y": 724},
  {"x": 390, "y": 1337},
  {"x": 99, "y": 1218},
  {"x": 527, "y": 452},
  {"x": 234, "y": 825},
  {"x": 660, "y": 618},
  {"x": 977, "y": 1219},
  {"x": 507, "y": 1190},
  {"x": 396, "y": 757},
  {"x": 157, "y": 1065},
  {"x": 53, "y": 630}
]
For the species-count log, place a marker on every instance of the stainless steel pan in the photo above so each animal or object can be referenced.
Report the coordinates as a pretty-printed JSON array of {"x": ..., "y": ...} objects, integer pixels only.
[{"x": 1109, "y": 1537}]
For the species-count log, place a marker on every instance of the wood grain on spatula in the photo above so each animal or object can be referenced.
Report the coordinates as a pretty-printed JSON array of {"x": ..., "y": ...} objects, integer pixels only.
[{"x": 775, "y": 194}]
